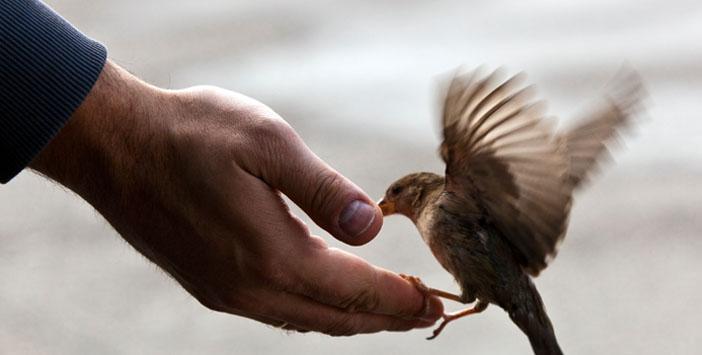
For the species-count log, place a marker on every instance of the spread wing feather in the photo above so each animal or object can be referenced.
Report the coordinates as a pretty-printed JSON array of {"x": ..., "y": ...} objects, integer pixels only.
[
  {"x": 586, "y": 142},
  {"x": 502, "y": 154}
]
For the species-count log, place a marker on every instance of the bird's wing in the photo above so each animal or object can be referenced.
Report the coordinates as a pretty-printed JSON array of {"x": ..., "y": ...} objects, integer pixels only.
[
  {"x": 586, "y": 142},
  {"x": 502, "y": 154}
]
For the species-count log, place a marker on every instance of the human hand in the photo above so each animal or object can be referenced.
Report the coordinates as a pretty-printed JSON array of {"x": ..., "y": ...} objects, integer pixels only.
[{"x": 191, "y": 179}]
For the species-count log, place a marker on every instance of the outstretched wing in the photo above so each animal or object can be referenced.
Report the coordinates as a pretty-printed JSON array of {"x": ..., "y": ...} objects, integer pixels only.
[
  {"x": 586, "y": 142},
  {"x": 501, "y": 154}
]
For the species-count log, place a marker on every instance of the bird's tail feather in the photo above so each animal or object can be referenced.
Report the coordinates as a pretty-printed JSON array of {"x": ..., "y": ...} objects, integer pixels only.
[{"x": 528, "y": 313}]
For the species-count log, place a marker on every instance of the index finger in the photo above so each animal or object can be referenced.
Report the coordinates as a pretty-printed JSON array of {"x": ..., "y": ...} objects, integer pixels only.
[{"x": 346, "y": 281}]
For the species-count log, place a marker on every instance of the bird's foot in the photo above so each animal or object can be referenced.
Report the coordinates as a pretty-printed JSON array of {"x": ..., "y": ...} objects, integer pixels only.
[
  {"x": 417, "y": 282},
  {"x": 426, "y": 290},
  {"x": 449, "y": 317}
]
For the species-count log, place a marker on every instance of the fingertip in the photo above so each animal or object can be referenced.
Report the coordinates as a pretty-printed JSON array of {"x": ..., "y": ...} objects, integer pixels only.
[
  {"x": 433, "y": 311},
  {"x": 368, "y": 221},
  {"x": 403, "y": 299}
]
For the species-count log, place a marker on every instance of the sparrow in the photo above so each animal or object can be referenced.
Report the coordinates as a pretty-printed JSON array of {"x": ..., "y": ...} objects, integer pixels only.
[{"x": 498, "y": 215}]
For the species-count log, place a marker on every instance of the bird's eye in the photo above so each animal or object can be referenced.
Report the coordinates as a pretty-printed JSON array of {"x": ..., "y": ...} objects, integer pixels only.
[{"x": 396, "y": 190}]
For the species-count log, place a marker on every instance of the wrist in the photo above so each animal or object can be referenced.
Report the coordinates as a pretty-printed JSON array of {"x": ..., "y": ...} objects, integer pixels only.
[{"x": 98, "y": 147}]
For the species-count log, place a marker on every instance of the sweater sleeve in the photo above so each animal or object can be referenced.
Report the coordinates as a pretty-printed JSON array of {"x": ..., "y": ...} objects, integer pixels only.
[{"x": 47, "y": 67}]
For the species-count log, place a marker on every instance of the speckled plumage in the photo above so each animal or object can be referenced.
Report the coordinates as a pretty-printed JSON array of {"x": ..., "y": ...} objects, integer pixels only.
[{"x": 502, "y": 209}]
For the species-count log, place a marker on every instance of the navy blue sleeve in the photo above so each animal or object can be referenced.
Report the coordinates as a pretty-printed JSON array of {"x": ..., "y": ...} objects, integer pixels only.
[{"x": 47, "y": 67}]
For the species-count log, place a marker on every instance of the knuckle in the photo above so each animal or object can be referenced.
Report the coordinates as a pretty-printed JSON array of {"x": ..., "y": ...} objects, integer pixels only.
[
  {"x": 341, "y": 325},
  {"x": 314, "y": 246},
  {"x": 298, "y": 226},
  {"x": 204, "y": 92},
  {"x": 270, "y": 140},
  {"x": 327, "y": 190},
  {"x": 267, "y": 128},
  {"x": 365, "y": 299}
]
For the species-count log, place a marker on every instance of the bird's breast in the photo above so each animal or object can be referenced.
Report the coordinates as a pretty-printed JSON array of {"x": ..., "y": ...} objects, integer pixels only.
[
  {"x": 425, "y": 222},
  {"x": 429, "y": 224}
]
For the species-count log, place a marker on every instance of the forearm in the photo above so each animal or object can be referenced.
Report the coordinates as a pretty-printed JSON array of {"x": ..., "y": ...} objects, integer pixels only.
[{"x": 46, "y": 69}]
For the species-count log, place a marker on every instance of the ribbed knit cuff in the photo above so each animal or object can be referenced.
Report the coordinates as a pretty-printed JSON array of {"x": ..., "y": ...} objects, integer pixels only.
[{"x": 47, "y": 67}]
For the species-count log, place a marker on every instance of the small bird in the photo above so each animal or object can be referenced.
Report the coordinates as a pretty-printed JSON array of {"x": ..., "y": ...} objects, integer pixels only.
[{"x": 498, "y": 216}]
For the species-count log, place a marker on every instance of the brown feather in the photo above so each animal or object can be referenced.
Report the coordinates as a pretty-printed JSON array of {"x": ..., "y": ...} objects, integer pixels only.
[
  {"x": 500, "y": 151},
  {"x": 586, "y": 143}
]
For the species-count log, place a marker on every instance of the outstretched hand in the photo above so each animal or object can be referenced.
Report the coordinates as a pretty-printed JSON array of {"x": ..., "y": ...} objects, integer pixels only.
[{"x": 193, "y": 180}]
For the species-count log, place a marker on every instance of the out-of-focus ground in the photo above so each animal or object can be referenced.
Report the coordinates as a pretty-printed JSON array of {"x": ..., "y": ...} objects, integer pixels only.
[{"x": 359, "y": 80}]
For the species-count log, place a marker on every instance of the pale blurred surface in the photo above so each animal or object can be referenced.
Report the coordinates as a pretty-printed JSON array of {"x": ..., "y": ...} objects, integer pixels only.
[{"x": 359, "y": 80}]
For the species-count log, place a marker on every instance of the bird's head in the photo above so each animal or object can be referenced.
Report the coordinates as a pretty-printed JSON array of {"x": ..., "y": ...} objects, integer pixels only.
[{"x": 408, "y": 194}]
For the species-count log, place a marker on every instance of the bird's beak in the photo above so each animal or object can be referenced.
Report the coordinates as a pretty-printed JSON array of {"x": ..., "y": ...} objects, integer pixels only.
[{"x": 388, "y": 208}]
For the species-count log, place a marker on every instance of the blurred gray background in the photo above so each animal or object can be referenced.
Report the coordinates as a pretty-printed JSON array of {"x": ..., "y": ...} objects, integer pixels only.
[{"x": 359, "y": 81}]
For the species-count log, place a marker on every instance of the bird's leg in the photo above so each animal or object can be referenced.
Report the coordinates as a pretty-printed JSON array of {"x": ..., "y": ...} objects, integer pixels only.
[
  {"x": 479, "y": 307},
  {"x": 448, "y": 317},
  {"x": 417, "y": 282}
]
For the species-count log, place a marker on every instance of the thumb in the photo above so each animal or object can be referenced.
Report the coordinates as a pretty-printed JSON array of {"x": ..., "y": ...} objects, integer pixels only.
[{"x": 330, "y": 199}]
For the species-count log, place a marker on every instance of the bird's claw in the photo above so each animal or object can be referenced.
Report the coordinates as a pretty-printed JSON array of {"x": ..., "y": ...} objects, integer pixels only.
[
  {"x": 428, "y": 291},
  {"x": 449, "y": 317},
  {"x": 417, "y": 282},
  {"x": 441, "y": 327}
]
